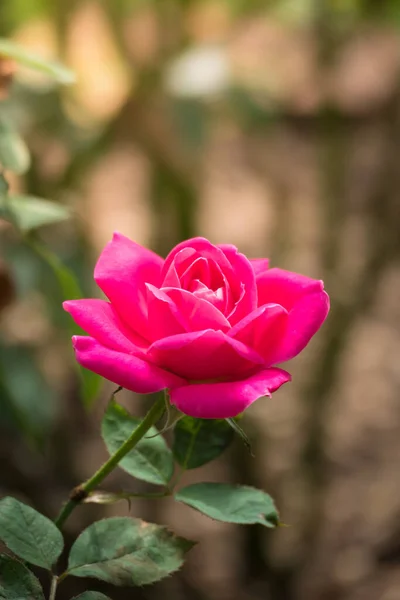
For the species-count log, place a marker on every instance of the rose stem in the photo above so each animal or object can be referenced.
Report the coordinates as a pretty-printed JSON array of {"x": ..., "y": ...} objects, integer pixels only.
[{"x": 81, "y": 491}]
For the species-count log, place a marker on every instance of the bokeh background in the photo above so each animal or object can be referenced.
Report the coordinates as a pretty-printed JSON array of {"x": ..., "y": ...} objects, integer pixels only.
[{"x": 274, "y": 126}]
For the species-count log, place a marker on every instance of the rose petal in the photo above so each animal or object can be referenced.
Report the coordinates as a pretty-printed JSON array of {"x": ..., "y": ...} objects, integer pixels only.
[
  {"x": 182, "y": 261},
  {"x": 260, "y": 265},
  {"x": 163, "y": 315},
  {"x": 196, "y": 313},
  {"x": 303, "y": 321},
  {"x": 198, "y": 269},
  {"x": 247, "y": 302},
  {"x": 306, "y": 302},
  {"x": 171, "y": 278},
  {"x": 204, "y": 355},
  {"x": 99, "y": 319},
  {"x": 203, "y": 247},
  {"x": 225, "y": 400},
  {"x": 121, "y": 272},
  {"x": 217, "y": 298},
  {"x": 131, "y": 372},
  {"x": 263, "y": 330},
  {"x": 284, "y": 287}
]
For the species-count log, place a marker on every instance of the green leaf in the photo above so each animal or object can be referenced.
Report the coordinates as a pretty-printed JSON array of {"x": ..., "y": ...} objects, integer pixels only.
[
  {"x": 14, "y": 154},
  {"x": 126, "y": 551},
  {"x": 91, "y": 596},
  {"x": 70, "y": 289},
  {"x": 28, "y": 534},
  {"x": 31, "y": 212},
  {"x": 230, "y": 503},
  {"x": 151, "y": 460},
  {"x": 24, "y": 56},
  {"x": 198, "y": 441},
  {"x": 17, "y": 582}
]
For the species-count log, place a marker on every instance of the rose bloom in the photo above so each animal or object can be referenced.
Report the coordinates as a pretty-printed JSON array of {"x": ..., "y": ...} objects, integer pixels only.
[{"x": 207, "y": 323}]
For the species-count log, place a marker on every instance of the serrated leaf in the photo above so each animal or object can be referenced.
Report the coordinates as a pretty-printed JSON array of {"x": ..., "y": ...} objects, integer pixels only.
[
  {"x": 198, "y": 441},
  {"x": 14, "y": 154},
  {"x": 150, "y": 460},
  {"x": 30, "y": 535},
  {"x": 91, "y": 596},
  {"x": 230, "y": 503},
  {"x": 30, "y": 212},
  {"x": 26, "y": 57},
  {"x": 126, "y": 551},
  {"x": 17, "y": 582}
]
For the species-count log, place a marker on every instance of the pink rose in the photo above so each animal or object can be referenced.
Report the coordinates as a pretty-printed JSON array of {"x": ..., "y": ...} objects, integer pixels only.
[{"x": 206, "y": 322}]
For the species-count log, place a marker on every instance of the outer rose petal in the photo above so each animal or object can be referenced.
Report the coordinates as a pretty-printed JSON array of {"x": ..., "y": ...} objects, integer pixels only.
[
  {"x": 121, "y": 272},
  {"x": 303, "y": 322},
  {"x": 225, "y": 400},
  {"x": 260, "y": 265},
  {"x": 204, "y": 355},
  {"x": 99, "y": 320},
  {"x": 306, "y": 302},
  {"x": 131, "y": 372},
  {"x": 263, "y": 330},
  {"x": 245, "y": 274},
  {"x": 284, "y": 287}
]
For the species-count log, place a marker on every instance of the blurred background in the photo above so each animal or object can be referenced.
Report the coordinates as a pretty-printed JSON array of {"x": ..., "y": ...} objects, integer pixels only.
[{"x": 271, "y": 125}]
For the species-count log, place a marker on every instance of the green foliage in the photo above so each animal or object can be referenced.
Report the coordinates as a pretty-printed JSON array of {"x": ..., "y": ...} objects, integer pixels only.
[
  {"x": 198, "y": 441},
  {"x": 17, "y": 582},
  {"x": 29, "y": 212},
  {"x": 70, "y": 289},
  {"x": 151, "y": 460},
  {"x": 28, "y": 534},
  {"x": 230, "y": 503},
  {"x": 14, "y": 154},
  {"x": 31, "y": 402},
  {"x": 91, "y": 596},
  {"x": 26, "y": 57},
  {"x": 126, "y": 551}
]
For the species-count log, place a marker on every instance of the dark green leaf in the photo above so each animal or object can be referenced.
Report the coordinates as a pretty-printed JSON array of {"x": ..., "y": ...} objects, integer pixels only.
[
  {"x": 28, "y": 534},
  {"x": 30, "y": 212},
  {"x": 151, "y": 460},
  {"x": 198, "y": 441},
  {"x": 27, "y": 58},
  {"x": 91, "y": 596},
  {"x": 126, "y": 551},
  {"x": 230, "y": 503},
  {"x": 14, "y": 154},
  {"x": 17, "y": 582}
]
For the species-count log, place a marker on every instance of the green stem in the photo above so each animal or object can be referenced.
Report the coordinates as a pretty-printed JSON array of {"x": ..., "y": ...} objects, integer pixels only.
[
  {"x": 81, "y": 492},
  {"x": 53, "y": 587}
]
